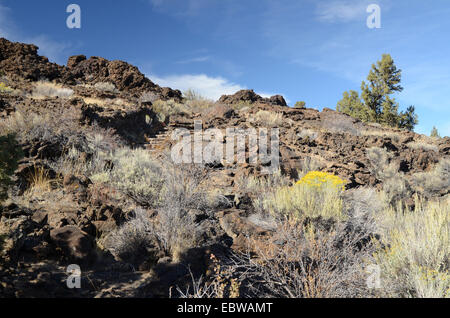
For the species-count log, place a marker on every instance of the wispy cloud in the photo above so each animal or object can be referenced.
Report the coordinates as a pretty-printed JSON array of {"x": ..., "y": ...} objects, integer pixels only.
[
  {"x": 199, "y": 59},
  {"x": 341, "y": 11},
  {"x": 210, "y": 87}
]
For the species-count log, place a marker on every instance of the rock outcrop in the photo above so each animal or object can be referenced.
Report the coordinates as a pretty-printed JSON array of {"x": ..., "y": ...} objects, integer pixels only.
[
  {"x": 249, "y": 96},
  {"x": 124, "y": 76},
  {"x": 22, "y": 61},
  {"x": 19, "y": 60}
]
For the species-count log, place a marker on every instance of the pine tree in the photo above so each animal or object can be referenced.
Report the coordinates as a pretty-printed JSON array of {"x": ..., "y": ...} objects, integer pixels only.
[
  {"x": 434, "y": 132},
  {"x": 376, "y": 103},
  {"x": 351, "y": 105},
  {"x": 300, "y": 104}
]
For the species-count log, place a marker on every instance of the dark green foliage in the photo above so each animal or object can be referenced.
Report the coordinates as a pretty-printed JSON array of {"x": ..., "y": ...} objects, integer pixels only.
[
  {"x": 351, "y": 104},
  {"x": 375, "y": 103},
  {"x": 300, "y": 104},
  {"x": 10, "y": 154}
]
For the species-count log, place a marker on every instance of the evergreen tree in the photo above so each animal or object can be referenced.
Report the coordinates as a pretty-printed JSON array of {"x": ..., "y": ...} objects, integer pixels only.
[
  {"x": 376, "y": 103},
  {"x": 351, "y": 105},
  {"x": 300, "y": 104},
  {"x": 434, "y": 132}
]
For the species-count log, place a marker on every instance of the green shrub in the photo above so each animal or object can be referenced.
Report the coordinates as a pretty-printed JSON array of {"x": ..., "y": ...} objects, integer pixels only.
[
  {"x": 135, "y": 173},
  {"x": 434, "y": 181},
  {"x": 10, "y": 153},
  {"x": 376, "y": 103},
  {"x": 435, "y": 133},
  {"x": 132, "y": 241},
  {"x": 300, "y": 104},
  {"x": 165, "y": 109},
  {"x": 59, "y": 126},
  {"x": 415, "y": 260}
]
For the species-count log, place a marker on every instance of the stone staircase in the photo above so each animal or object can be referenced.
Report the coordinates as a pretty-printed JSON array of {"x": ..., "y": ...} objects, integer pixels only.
[{"x": 160, "y": 141}]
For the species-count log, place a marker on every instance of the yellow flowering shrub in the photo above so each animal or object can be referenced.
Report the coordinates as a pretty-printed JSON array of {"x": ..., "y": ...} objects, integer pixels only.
[
  {"x": 319, "y": 179},
  {"x": 4, "y": 88},
  {"x": 317, "y": 194}
]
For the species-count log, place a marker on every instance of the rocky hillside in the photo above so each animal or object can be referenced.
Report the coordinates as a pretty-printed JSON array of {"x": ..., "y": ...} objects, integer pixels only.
[{"x": 96, "y": 139}]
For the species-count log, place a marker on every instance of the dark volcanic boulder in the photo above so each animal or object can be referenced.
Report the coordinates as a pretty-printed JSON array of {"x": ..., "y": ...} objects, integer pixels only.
[
  {"x": 22, "y": 60},
  {"x": 75, "y": 244},
  {"x": 124, "y": 76},
  {"x": 249, "y": 96}
]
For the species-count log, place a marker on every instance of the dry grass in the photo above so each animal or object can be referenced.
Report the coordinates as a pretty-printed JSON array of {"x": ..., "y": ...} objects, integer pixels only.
[
  {"x": 268, "y": 119},
  {"x": 395, "y": 185},
  {"x": 39, "y": 180},
  {"x": 136, "y": 173},
  {"x": 259, "y": 187},
  {"x": 114, "y": 103},
  {"x": 434, "y": 181},
  {"x": 132, "y": 241},
  {"x": 105, "y": 87},
  {"x": 308, "y": 134},
  {"x": 149, "y": 97},
  {"x": 382, "y": 133},
  {"x": 174, "y": 191},
  {"x": 185, "y": 189},
  {"x": 423, "y": 145},
  {"x": 50, "y": 125},
  {"x": 165, "y": 109},
  {"x": 44, "y": 90},
  {"x": 415, "y": 260},
  {"x": 195, "y": 102},
  {"x": 200, "y": 289},
  {"x": 302, "y": 261}
]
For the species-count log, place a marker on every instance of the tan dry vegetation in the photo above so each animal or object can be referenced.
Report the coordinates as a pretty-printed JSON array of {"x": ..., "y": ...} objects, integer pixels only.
[
  {"x": 42, "y": 90},
  {"x": 266, "y": 118}
]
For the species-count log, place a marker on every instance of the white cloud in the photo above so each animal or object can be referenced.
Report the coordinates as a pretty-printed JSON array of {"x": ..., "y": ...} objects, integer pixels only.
[
  {"x": 210, "y": 87},
  {"x": 199, "y": 59},
  {"x": 341, "y": 11}
]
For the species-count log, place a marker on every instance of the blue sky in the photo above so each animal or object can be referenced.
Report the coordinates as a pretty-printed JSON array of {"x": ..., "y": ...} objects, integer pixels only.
[{"x": 311, "y": 50}]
